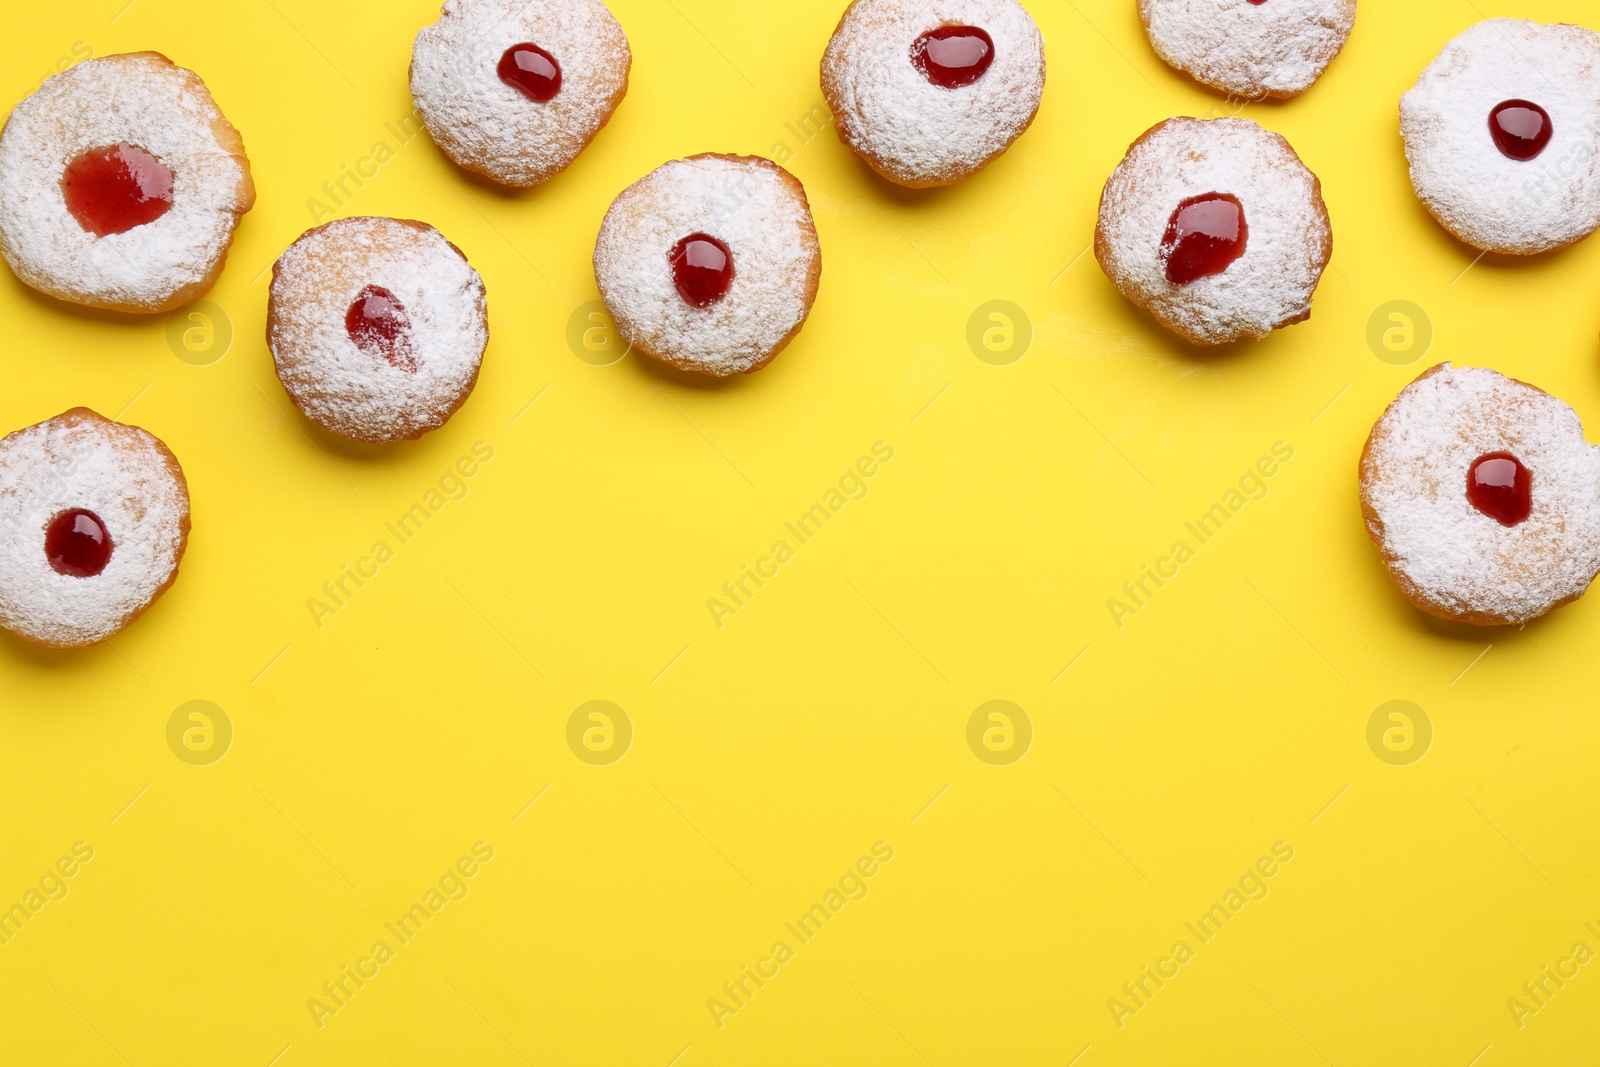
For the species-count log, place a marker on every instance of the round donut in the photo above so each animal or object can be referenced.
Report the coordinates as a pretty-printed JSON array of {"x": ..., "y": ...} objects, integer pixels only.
[
  {"x": 121, "y": 184},
  {"x": 1502, "y": 132},
  {"x": 1481, "y": 495},
  {"x": 514, "y": 90},
  {"x": 377, "y": 327},
  {"x": 94, "y": 519},
  {"x": 929, "y": 92},
  {"x": 1250, "y": 48},
  {"x": 710, "y": 263},
  {"x": 1216, "y": 228}
]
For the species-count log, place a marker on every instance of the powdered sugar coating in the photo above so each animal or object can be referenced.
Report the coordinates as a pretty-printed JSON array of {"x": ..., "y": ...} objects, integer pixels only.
[
  {"x": 912, "y": 131},
  {"x": 144, "y": 100},
  {"x": 126, "y": 477},
  {"x": 1289, "y": 243},
  {"x": 489, "y": 127},
  {"x": 1448, "y": 557},
  {"x": 1277, "y": 49},
  {"x": 355, "y": 392},
  {"x": 759, "y": 211},
  {"x": 1486, "y": 199}
]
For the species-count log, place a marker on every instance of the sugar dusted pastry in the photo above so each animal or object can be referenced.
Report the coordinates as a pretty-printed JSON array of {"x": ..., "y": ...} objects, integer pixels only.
[
  {"x": 121, "y": 185},
  {"x": 94, "y": 519},
  {"x": 711, "y": 263},
  {"x": 929, "y": 92},
  {"x": 515, "y": 89},
  {"x": 1249, "y": 48},
  {"x": 377, "y": 327},
  {"x": 1483, "y": 497},
  {"x": 1215, "y": 228},
  {"x": 1502, "y": 132}
]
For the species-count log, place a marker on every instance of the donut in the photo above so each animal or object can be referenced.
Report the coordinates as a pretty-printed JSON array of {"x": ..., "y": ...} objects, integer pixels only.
[
  {"x": 94, "y": 519},
  {"x": 1216, "y": 228},
  {"x": 121, "y": 184},
  {"x": 514, "y": 90},
  {"x": 711, "y": 263},
  {"x": 1502, "y": 133},
  {"x": 377, "y": 327},
  {"x": 1483, "y": 497},
  {"x": 929, "y": 92},
  {"x": 1249, "y": 48}
]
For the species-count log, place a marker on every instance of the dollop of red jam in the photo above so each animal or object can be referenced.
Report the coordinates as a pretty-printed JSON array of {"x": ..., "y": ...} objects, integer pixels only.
[
  {"x": 378, "y": 324},
  {"x": 1258, "y": 1},
  {"x": 1521, "y": 129},
  {"x": 702, "y": 267},
  {"x": 953, "y": 56},
  {"x": 112, "y": 190},
  {"x": 1204, "y": 236},
  {"x": 1501, "y": 487},
  {"x": 531, "y": 71},
  {"x": 77, "y": 544}
]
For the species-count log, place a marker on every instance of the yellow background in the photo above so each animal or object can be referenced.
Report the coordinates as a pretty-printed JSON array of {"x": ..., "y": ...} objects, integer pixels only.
[{"x": 831, "y": 712}]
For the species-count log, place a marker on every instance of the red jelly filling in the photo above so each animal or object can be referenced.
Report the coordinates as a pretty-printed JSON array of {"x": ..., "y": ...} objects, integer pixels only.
[
  {"x": 1205, "y": 235},
  {"x": 1520, "y": 129},
  {"x": 77, "y": 544},
  {"x": 378, "y": 324},
  {"x": 531, "y": 71},
  {"x": 112, "y": 190},
  {"x": 703, "y": 268},
  {"x": 953, "y": 56},
  {"x": 1501, "y": 487}
]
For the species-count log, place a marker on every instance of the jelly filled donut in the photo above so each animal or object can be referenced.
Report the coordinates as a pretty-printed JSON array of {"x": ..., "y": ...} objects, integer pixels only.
[
  {"x": 710, "y": 263},
  {"x": 94, "y": 518},
  {"x": 513, "y": 89},
  {"x": 1251, "y": 48},
  {"x": 377, "y": 327},
  {"x": 1502, "y": 132},
  {"x": 121, "y": 185},
  {"x": 1481, "y": 494},
  {"x": 928, "y": 92},
  {"x": 1216, "y": 228}
]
